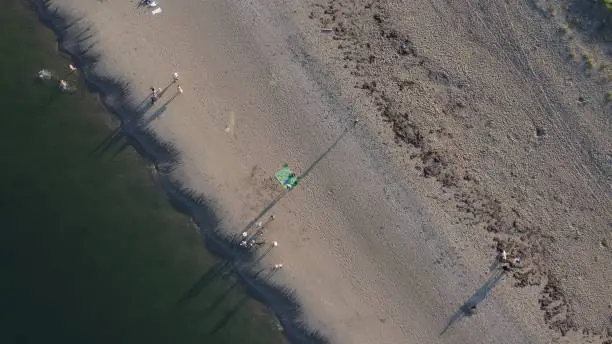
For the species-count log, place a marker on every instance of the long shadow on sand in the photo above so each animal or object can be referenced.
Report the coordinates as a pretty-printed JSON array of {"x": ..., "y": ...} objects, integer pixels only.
[
  {"x": 300, "y": 177},
  {"x": 469, "y": 307},
  {"x": 160, "y": 110},
  {"x": 120, "y": 133}
]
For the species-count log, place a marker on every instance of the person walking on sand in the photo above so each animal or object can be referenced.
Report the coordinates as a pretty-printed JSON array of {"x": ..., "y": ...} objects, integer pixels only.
[
  {"x": 179, "y": 89},
  {"x": 154, "y": 95},
  {"x": 175, "y": 77}
]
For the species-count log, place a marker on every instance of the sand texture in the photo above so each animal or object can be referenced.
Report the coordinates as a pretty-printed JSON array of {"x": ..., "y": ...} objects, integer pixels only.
[{"x": 477, "y": 134}]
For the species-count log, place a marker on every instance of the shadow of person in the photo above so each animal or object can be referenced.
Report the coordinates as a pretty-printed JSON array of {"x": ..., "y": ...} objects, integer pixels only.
[
  {"x": 322, "y": 156},
  {"x": 166, "y": 88},
  {"x": 219, "y": 299},
  {"x": 157, "y": 113},
  {"x": 212, "y": 273},
  {"x": 468, "y": 308},
  {"x": 229, "y": 315},
  {"x": 109, "y": 141}
]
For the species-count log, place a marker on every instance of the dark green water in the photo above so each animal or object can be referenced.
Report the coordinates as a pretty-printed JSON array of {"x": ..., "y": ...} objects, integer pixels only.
[{"x": 90, "y": 249}]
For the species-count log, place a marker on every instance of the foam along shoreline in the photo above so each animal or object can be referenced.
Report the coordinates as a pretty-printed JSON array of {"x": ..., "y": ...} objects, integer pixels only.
[{"x": 113, "y": 94}]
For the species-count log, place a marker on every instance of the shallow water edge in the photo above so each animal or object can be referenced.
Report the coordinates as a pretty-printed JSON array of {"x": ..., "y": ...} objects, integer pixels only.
[{"x": 114, "y": 95}]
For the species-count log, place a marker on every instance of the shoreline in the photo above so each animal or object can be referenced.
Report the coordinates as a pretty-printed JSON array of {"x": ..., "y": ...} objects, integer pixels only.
[
  {"x": 374, "y": 213},
  {"x": 112, "y": 94}
]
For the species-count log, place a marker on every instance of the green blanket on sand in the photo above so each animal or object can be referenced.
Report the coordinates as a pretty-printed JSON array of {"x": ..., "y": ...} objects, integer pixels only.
[{"x": 286, "y": 177}]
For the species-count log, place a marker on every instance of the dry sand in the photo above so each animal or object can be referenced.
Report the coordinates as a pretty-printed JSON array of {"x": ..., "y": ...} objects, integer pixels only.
[{"x": 471, "y": 140}]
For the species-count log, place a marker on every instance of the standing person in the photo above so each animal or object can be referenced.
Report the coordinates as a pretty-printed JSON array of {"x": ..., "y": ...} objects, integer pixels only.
[
  {"x": 154, "y": 95},
  {"x": 175, "y": 77}
]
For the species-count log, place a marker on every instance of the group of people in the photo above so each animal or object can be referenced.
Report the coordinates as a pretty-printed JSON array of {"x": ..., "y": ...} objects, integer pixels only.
[
  {"x": 44, "y": 74},
  {"x": 507, "y": 263},
  {"x": 257, "y": 238},
  {"x": 156, "y": 93}
]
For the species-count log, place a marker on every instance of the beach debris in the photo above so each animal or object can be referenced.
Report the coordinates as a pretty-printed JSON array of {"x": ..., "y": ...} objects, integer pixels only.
[
  {"x": 72, "y": 68},
  {"x": 157, "y": 11},
  {"x": 504, "y": 255},
  {"x": 275, "y": 243},
  {"x": 175, "y": 77},
  {"x": 244, "y": 234},
  {"x": 278, "y": 266},
  {"x": 44, "y": 74},
  {"x": 326, "y": 29},
  {"x": 150, "y": 3}
]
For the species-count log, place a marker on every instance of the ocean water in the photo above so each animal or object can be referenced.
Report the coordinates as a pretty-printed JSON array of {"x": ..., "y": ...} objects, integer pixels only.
[{"x": 91, "y": 251}]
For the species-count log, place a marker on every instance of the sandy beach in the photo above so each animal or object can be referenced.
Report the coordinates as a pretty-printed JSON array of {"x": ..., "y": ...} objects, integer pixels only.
[{"x": 476, "y": 134}]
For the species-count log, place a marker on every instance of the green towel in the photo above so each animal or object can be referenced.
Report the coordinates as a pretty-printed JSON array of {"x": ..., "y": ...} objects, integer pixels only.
[{"x": 286, "y": 177}]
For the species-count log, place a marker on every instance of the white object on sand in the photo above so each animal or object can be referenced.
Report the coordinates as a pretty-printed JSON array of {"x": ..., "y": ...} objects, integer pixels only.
[
  {"x": 175, "y": 76},
  {"x": 157, "y": 10},
  {"x": 275, "y": 243},
  {"x": 180, "y": 89}
]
